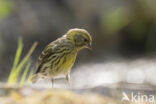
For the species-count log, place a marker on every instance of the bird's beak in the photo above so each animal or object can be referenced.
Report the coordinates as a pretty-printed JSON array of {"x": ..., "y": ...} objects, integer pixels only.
[{"x": 89, "y": 46}]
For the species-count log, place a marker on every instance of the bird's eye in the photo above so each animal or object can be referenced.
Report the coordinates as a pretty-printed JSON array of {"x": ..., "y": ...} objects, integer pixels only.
[{"x": 85, "y": 40}]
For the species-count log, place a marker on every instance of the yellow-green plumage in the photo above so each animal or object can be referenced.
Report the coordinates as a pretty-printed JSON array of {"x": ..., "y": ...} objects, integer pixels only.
[{"x": 59, "y": 56}]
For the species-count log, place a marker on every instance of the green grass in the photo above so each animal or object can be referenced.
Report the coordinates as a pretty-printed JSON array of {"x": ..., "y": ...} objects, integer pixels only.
[
  {"x": 30, "y": 76},
  {"x": 19, "y": 65},
  {"x": 24, "y": 74}
]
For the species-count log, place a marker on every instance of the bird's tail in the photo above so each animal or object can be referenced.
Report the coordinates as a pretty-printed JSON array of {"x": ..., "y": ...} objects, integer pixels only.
[{"x": 35, "y": 78}]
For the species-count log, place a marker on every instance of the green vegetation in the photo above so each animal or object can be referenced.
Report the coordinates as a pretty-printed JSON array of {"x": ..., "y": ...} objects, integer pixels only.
[
  {"x": 5, "y": 8},
  {"x": 17, "y": 67},
  {"x": 24, "y": 74}
]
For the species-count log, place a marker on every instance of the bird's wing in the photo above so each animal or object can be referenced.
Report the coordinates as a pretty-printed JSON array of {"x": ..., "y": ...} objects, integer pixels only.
[
  {"x": 44, "y": 55},
  {"x": 58, "y": 47}
]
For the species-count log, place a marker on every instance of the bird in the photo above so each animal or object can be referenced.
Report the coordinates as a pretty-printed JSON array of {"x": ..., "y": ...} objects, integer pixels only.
[{"x": 58, "y": 57}]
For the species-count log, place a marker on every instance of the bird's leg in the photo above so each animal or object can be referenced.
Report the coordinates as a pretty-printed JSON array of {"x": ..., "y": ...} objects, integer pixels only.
[
  {"x": 68, "y": 79},
  {"x": 52, "y": 81}
]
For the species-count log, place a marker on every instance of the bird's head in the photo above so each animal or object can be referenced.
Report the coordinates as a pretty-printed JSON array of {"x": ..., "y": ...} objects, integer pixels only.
[{"x": 80, "y": 37}]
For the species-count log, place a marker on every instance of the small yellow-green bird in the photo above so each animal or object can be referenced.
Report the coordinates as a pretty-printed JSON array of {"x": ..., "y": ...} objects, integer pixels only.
[{"x": 59, "y": 56}]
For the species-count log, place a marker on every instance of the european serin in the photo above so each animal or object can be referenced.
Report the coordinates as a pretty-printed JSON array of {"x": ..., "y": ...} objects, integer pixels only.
[{"x": 59, "y": 56}]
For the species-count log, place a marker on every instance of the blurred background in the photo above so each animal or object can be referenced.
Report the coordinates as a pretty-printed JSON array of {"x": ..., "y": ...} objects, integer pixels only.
[{"x": 124, "y": 36}]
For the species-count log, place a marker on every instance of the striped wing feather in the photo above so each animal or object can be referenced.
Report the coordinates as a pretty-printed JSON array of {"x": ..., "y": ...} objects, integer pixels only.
[
  {"x": 44, "y": 55},
  {"x": 57, "y": 48}
]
